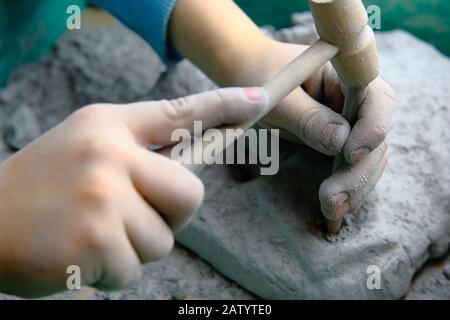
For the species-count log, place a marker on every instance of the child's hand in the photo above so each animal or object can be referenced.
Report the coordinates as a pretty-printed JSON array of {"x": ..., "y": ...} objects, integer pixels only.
[
  {"x": 311, "y": 115},
  {"x": 89, "y": 193},
  {"x": 225, "y": 44}
]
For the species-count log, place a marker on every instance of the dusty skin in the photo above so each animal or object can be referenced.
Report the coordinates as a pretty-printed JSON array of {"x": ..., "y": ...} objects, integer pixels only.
[{"x": 100, "y": 199}]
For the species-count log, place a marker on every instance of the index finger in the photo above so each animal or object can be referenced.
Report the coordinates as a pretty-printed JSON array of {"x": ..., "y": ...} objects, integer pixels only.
[{"x": 153, "y": 122}]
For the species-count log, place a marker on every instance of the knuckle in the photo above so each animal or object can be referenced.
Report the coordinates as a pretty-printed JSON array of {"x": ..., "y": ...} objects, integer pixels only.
[
  {"x": 97, "y": 189},
  {"x": 94, "y": 148},
  {"x": 176, "y": 109},
  {"x": 90, "y": 112},
  {"x": 219, "y": 94}
]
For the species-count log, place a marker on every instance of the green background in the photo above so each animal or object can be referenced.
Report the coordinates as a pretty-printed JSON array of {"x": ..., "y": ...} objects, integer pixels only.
[
  {"x": 427, "y": 19},
  {"x": 29, "y": 28}
]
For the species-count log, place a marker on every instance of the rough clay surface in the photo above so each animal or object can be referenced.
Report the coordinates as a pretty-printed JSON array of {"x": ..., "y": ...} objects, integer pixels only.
[
  {"x": 433, "y": 283},
  {"x": 181, "y": 276},
  {"x": 267, "y": 234}
]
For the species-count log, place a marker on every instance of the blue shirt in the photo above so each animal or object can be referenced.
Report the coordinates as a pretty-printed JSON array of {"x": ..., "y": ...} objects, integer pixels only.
[{"x": 148, "y": 18}]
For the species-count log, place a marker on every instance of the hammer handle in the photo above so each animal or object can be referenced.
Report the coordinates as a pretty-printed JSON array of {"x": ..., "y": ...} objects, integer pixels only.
[{"x": 287, "y": 80}]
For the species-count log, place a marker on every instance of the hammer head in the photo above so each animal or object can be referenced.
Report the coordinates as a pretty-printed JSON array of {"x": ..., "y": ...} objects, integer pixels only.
[{"x": 344, "y": 23}]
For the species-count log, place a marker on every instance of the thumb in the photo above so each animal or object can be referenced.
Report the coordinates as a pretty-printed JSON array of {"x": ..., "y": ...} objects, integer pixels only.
[
  {"x": 153, "y": 122},
  {"x": 315, "y": 124}
]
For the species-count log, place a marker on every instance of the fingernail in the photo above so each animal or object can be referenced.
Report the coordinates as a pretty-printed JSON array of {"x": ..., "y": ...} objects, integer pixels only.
[
  {"x": 255, "y": 94},
  {"x": 339, "y": 205},
  {"x": 340, "y": 198},
  {"x": 341, "y": 210},
  {"x": 359, "y": 154},
  {"x": 328, "y": 134}
]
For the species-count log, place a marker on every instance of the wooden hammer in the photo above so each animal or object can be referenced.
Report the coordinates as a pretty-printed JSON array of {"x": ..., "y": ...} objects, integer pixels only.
[
  {"x": 348, "y": 42},
  {"x": 343, "y": 23}
]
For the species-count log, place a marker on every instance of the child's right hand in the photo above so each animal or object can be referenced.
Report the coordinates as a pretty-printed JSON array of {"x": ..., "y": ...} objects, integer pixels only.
[
  {"x": 224, "y": 43},
  {"x": 311, "y": 115},
  {"x": 89, "y": 193}
]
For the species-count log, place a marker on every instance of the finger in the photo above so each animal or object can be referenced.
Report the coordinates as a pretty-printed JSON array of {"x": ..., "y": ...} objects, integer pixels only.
[
  {"x": 332, "y": 95},
  {"x": 154, "y": 122},
  {"x": 324, "y": 86},
  {"x": 120, "y": 264},
  {"x": 315, "y": 124},
  {"x": 346, "y": 189},
  {"x": 147, "y": 231},
  {"x": 374, "y": 122},
  {"x": 171, "y": 189},
  {"x": 314, "y": 85}
]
